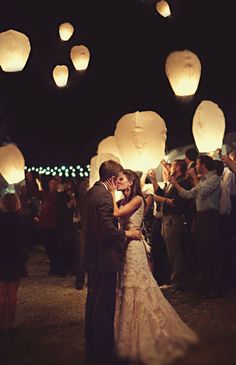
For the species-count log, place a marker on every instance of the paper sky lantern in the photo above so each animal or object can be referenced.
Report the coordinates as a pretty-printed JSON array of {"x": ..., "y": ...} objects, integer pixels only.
[
  {"x": 66, "y": 31},
  {"x": 208, "y": 126},
  {"x": 80, "y": 56},
  {"x": 163, "y": 8},
  {"x": 12, "y": 164},
  {"x": 96, "y": 162},
  {"x": 109, "y": 145},
  {"x": 141, "y": 138},
  {"x": 183, "y": 69},
  {"x": 14, "y": 50},
  {"x": 60, "y": 75}
]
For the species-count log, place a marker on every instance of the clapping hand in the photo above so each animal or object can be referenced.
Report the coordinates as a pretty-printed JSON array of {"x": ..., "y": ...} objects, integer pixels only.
[{"x": 151, "y": 174}]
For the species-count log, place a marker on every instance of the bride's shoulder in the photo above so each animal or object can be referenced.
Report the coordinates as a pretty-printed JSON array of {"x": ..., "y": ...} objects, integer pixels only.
[{"x": 137, "y": 200}]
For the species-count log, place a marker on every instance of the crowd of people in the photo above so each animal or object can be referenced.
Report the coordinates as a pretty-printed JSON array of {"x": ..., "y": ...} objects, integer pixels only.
[{"x": 176, "y": 232}]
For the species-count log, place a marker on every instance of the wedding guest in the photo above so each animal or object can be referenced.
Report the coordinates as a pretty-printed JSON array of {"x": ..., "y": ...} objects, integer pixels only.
[
  {"x": 30, "y": 210},
  {"x": 65, "y": 209},
  {"x": 206, "y": 191},
  {"x": 226, "y": 265},
  {"x": 82, "y": 188},
  {"x": 175, "y": 210},
  {"x": 158, "y": 247},
  {"x": 191, "y": 155},
  {"x": 13, "y": 243},
  {"x": 48, "y": 220},
  {"x": 230, "y": 161}
]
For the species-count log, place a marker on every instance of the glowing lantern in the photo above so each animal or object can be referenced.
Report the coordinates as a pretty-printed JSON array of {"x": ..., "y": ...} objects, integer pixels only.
[
  {"x": 141, "y": 140},
  {"x": 109, "y": 145},
  {"x": 65, "y": 31},
  {"x": 96, "y": 162},
  {"x": 60, "y": 75},
  {"x": 163, "y": 8},
  {"x": 14, "y": 50},
  {"x": 80, "y": 56},
  {"x": 183, "y": 69},
  {"x": 12, "y": 164},
  {"x": 208, "y": 126}
]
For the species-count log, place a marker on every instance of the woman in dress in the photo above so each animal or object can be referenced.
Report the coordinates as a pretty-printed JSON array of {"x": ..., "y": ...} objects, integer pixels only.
[
  {"x": 13, "y": 243},
  {"x": 147, "y": 329}
]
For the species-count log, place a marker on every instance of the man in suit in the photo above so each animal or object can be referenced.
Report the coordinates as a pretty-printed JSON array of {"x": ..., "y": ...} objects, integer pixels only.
[
  {"x": 191, "y": 155},
  {"x": 206, "y": 191},
  {"x": 103, "y": 243},
  {"x": 175, "y": 209}
]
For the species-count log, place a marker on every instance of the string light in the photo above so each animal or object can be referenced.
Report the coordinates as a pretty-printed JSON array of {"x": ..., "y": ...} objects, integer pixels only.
[{"x": 63, "y": 171}]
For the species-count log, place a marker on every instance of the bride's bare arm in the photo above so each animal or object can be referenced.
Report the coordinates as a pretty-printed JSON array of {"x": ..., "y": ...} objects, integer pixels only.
[{"x": 128, "y": 208}]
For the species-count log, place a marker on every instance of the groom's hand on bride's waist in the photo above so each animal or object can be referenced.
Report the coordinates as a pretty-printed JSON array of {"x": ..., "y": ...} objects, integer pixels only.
[{"x": 135, "y": 234}]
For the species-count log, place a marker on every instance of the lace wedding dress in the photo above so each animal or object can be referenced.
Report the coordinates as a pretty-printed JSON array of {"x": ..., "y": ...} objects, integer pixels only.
[{"x": 147, "y": 328}]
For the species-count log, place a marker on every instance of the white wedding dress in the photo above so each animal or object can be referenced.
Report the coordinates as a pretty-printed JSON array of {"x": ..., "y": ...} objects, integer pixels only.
[{"x": 147, "y": 328}]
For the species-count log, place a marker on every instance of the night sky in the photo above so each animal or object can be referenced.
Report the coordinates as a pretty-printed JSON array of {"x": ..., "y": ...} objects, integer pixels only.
[{"x": 129, "y": 43}]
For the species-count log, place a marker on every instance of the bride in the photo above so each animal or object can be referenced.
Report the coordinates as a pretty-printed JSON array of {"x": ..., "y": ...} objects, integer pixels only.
[{"x": 147, "y": 328}]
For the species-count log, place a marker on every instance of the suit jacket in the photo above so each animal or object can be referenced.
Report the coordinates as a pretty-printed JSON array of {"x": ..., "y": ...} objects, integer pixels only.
[
  {"x": 102, "y": 238},
  {"x": 181, "y": 205},
  {"x": 192, "y": 165}
]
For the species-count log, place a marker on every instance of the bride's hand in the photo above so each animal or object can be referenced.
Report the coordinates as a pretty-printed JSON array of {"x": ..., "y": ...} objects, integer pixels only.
[{"x": 111, "y": 185}]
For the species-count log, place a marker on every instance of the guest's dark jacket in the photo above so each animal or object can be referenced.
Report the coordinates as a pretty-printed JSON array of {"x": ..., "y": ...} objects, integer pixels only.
[
  {"x": 181, "y": 206},
  {"x": 102, "y": 239},
  {"x": 13, "y": 243}
]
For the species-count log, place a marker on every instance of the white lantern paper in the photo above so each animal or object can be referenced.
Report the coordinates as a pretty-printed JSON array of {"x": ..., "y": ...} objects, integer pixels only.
[
  {"x": 60, "y": 75},
  {"x": 12, "y": 164},
  {"x": 80, "y": 56},
  {"x": 66, "y": 31},
  {"x": 183, "y": 69},
  {"x": 95, "y": 164},
  {"x": 141, "y": 138},
  {"x": 14, "y": 50},
  {"x": 163, "y": 8},
  {"x": 109, "y": 145},
  {"x": 208, "y": 126}
]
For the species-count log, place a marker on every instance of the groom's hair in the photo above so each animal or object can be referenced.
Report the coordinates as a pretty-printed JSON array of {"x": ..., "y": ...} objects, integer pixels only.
[{"x": 108, "y": 169}]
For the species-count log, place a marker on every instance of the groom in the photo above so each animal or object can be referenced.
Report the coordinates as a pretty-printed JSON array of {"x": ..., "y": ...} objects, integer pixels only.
[{"x": 103, "y": 242}]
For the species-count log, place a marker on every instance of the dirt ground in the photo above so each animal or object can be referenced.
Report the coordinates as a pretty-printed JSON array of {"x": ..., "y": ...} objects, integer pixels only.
[{"x": 50, "y": 321}]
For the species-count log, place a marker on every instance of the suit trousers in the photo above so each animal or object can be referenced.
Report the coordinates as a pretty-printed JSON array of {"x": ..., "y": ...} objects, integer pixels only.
[
  {"x": 207, "y": 238},
  {"x": 174, "y": 235},
  {"x": 99, "y": 314}
]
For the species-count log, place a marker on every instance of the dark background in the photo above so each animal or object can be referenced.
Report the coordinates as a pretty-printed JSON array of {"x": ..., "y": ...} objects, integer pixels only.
[{"x": 129, "y": 43}]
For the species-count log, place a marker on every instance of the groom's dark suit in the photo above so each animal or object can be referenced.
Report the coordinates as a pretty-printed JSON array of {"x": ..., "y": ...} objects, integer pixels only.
[{"x": 103, "y": 241}]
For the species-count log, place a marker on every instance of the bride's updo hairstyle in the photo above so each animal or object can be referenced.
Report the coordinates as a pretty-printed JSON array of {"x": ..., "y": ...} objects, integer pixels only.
[{"x": 136, "y": 186}]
